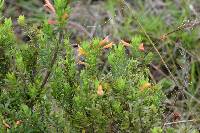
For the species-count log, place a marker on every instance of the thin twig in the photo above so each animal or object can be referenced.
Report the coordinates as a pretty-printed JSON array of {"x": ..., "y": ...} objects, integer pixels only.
[
  {"x": 160, "y": 71},
  {"x": 51, "y": 66},
  {"x": 191, "y": 24},
  {"x": 52, "y": 61},
  {"x": 79, "y": 27},
  {"x": 180, "y": 122}
]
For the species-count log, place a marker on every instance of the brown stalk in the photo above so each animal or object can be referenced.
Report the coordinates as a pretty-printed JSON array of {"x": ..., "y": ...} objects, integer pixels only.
[
  {"x": 53, "y": 60},
  {"x": 48, "y": 73}
]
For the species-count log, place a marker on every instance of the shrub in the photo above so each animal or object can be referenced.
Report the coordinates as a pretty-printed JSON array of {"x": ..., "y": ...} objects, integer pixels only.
[{"x": 97, "y": 86}]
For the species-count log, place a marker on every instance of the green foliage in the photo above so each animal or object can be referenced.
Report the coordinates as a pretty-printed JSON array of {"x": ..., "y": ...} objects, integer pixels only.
[
  {"x": 157, "y": 130},
  {"x": 49, "y": 86},
  {"x": 62, "y": 10},
  {"x": 1, "y": 7},
  {"x": 7, "y": 42},
  {"x": 123, "y": 105},
  {"x": 1, "y": 4}
]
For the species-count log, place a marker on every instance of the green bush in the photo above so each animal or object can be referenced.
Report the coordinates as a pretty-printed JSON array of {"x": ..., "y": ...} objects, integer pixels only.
[{"x": 98, "y": 86}]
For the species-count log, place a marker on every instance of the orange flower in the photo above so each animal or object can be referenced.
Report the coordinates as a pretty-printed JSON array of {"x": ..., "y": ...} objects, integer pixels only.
[
  {"x": 52, "y": 22},
  {"x": 108, "y": 45},
  {"x": 49, "y": 6},
  {"x": 145, "y": 86},
  {"x": 141, "y": 47},
  {"x": 100, "y": 90},
  {"x": 104, "y": 41},
  {"x": 125, "y": 44}
]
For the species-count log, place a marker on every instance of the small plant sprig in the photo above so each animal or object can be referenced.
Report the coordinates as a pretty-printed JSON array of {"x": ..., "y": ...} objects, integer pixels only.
[
  {"x": 24, "y": 81},
  {"x": 190, "y": 25},
  {"x": 112, "y": 90},
  {"x": 61, "y": 10},
  {"x": 1, "y": 7}
]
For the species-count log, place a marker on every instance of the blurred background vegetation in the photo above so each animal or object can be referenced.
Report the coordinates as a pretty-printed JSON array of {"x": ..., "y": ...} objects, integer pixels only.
[{"x": 119, "y": 19}]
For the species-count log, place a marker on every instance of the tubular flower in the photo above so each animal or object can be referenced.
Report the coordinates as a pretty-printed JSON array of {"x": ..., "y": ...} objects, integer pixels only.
[
  {"x": 49, "y": 6},
  {"x": 104, "y": 41},
  {"x": 141, "y": 47},
  {"x": 108, "y": 45},
  {"x": 125, "y": 44},
  {"x": 52, "y": 22}
]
